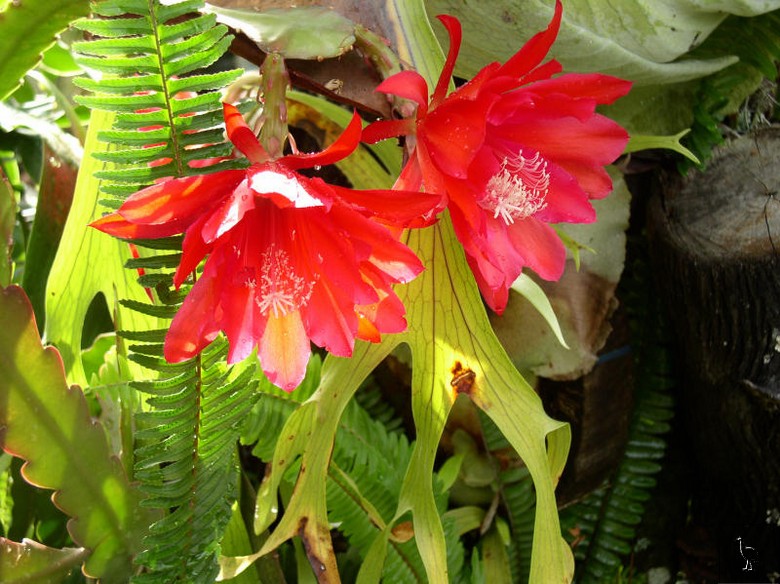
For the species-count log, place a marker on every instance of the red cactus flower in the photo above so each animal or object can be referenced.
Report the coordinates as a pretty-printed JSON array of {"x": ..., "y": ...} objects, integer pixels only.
[
  {"x": 514, "y": 149},
  {"x": 290, "y": 260}
]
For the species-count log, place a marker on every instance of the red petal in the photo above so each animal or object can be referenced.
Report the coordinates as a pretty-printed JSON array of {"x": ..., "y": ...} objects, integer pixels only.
[
  {"x": 367, "y": 331},
  {"x": 540, "y": 247},
  {"x": 408, "y": 85},
  {"x": 242, "y": 321},
  {"x": 453, "y": 28},
  {"x": 342, "y": 147},
  {"x": 454, "y": 132},
  {"x": 180, "y": 200},
  {"x": 114, "y": 224},
  {"x": 535, "y": 50},
  {"x": 385, "y": 129},
  {"x": 603, "y": 88},
  {"x": 195, "y": 325},
  {"x": 394, "y": 207},
  {"x": 242, "y": 135},
  {"x": 289, "y": 189},
  {"x": 330, "y": 320},
  {"x": 194, "y": 249},
  {"x": 227, "y": 216}
]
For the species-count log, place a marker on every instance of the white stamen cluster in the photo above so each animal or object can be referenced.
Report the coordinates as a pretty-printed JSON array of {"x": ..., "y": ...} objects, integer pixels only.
[
  {"x": 281, "y": 289},
  {"x": 519, "y": 189}
]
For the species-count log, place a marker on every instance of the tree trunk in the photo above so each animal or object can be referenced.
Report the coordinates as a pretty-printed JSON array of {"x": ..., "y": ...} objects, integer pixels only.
[{"x": 715, "y": 239}]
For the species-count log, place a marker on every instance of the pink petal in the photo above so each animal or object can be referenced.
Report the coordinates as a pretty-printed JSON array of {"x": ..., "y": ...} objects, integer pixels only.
[
  {"x": 284, "y": 350},
  {"x": 603, "y": 88},
  {"x": 454, "y": 132},
  {"x": 540, "y": 247},
  {"x": 242, "y": 135},
  {"x": 566, "y": 201}
]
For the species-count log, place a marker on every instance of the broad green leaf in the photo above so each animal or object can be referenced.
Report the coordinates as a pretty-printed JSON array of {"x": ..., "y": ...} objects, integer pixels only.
[
  {"x": 47, "y": 424},
  {"x": 642, "y": 41},
  {"x": 28, "y": 28},
  {"x": 236, "y": 541},
  {"x": 7, "y": 223},
  {"x": 495, "y": 560},
  {"x": 29, "y": 561},
  {"x": 88, "y": 263},
  {"x": 310, "y": 32}
]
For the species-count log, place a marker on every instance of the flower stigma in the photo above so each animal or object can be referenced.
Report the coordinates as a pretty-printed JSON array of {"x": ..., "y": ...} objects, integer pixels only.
[
  {"x": 519, "y": 189},
  {"x": 281, "y": 289}
]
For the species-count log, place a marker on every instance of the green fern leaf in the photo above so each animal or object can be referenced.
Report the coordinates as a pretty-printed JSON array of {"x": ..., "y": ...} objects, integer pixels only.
[{"x": 185, "y": 455}]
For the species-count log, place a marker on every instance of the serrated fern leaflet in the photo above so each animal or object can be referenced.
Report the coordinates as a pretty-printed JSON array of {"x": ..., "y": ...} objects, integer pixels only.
[{"x": 185, "y": 444}]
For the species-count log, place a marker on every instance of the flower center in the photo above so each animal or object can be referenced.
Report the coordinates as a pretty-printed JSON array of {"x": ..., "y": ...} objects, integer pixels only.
[
  {"x": 281, "y": 290},
  {"x": 519, "y": 189}
]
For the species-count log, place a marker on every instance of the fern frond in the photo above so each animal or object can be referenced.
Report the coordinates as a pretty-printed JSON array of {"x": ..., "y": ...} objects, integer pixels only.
[
  {"x": 168, "y": 121},
  {"x": 150, "y": 58},
  {"x": 186, "y": 460}
]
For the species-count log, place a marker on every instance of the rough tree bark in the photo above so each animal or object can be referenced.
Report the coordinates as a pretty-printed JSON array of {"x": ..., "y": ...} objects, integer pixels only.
[{"x": 715, "y": 240}]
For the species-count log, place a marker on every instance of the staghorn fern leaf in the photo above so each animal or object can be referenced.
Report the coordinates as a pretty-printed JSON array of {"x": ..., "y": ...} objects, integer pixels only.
[
  {"x": 517, "y": 494},
  {"x": 364, "y": 478}
]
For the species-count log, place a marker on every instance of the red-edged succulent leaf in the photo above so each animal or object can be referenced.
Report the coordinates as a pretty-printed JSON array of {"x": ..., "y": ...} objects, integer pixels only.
[
  {"x": 29, "y": 561},
  {"x": 48, "y": 424}
]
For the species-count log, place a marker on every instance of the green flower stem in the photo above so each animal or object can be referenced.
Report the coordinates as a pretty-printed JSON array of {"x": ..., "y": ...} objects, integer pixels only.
[{"x": 274, "y": 84}]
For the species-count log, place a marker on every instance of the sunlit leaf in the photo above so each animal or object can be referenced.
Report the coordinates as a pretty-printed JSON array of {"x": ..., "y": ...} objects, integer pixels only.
[
  {"x": 26, "y": 30},
  {"x": 88, "y": 263}
]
